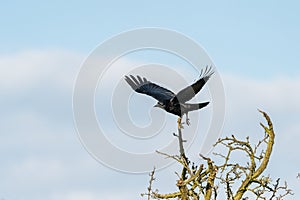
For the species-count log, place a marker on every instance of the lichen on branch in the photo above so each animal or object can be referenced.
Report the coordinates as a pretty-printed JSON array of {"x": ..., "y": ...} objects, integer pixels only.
[{"x": 227, "y": 178}]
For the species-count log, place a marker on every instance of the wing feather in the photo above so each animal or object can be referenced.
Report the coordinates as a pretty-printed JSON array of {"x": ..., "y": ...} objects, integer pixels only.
[
  {"x": 189, "y": 92},
  {"x": 143, "y": 86}
]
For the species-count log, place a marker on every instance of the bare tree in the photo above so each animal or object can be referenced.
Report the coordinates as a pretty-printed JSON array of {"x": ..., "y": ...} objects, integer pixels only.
[{"x": 223, "y": 177}]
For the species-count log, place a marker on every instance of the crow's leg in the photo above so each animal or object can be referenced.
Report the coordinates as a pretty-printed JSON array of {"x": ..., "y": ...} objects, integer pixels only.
[
  {"x": 179, "y": 123},
  {"x": 187, "y": 120}
]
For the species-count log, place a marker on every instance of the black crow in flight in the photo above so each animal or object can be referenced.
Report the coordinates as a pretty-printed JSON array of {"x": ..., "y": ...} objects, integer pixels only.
[{"x": 167, "y": 100}]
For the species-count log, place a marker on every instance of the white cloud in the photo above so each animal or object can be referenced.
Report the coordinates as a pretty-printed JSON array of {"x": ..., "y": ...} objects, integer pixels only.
[
  {"x": 38, "y": 170},
  {"x": 278, "y": 94},
  {"x": 39, "y": 146},
  {"x": 30, "y": 69},
  {"x": 90, "y": 195},
  {"x": 77, "y": 195}
]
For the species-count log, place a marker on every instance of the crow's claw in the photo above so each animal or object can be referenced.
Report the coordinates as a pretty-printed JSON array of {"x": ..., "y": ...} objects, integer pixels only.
[{"x": 187, "y": 121}]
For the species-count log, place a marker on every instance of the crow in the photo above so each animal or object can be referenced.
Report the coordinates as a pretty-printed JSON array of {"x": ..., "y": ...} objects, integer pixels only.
[{"x": 169, "y": 101}]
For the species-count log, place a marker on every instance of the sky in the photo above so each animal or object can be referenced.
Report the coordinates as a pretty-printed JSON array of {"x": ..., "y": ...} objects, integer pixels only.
[{"x": 254, "y": 46}]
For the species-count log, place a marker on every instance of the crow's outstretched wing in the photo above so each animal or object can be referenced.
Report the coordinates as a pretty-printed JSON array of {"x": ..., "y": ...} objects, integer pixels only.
[
  {"x": 189, "y": 92},
  {"x": 142, "y": 85}
]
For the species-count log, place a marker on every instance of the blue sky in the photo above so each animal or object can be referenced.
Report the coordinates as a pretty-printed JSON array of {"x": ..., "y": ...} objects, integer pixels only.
[
  {"x": 253, "y": 33},
  {"x": 255, "y": 46}
]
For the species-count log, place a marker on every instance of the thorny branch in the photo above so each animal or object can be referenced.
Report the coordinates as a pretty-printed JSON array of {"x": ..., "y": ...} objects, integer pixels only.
[{"x": 239, "y": 181}]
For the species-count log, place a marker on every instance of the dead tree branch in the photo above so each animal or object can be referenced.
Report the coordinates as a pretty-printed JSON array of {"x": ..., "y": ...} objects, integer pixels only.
[{"x": 240, "y": 180}]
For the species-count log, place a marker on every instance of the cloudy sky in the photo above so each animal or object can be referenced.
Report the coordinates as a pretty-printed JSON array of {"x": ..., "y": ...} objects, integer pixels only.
[{"x": 254, "y": 46}]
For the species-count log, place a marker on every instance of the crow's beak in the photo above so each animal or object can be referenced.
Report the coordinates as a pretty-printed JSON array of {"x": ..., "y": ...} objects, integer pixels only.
[{"x": 158, "y": 106}]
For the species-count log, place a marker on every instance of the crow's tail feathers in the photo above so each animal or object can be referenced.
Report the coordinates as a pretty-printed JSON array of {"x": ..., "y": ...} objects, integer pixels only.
[{"x": 196, "y": 106}]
